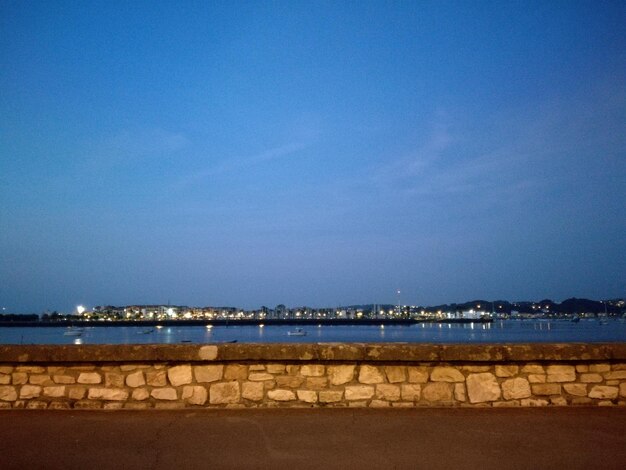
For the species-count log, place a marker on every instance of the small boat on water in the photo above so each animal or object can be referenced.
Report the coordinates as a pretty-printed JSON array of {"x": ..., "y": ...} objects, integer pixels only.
[
  {"x": 297, "y": 332},
  {"x": 145, "y": 332}
]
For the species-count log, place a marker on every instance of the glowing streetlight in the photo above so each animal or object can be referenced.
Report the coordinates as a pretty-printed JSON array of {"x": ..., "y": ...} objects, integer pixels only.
[{"x": 80, "y": 309}]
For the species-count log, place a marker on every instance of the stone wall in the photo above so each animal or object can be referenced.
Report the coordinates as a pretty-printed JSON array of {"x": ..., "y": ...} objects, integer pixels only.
[{"x": 313, "y": 375}]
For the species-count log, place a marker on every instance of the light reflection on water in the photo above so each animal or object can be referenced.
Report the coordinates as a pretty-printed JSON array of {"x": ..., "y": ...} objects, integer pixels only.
[{"x": 500, "y": 331}]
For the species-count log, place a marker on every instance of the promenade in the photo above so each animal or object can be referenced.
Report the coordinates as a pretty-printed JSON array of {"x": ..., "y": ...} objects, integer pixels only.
[{"x": 429, "y": 438}]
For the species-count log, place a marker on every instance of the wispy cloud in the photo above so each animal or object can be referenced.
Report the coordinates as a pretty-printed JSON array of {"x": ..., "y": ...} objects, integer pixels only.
[{"x": 245, "y": 162}]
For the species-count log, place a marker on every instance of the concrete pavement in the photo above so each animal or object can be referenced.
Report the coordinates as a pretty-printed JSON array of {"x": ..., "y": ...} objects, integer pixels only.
[{"x": 429, "y": 438}]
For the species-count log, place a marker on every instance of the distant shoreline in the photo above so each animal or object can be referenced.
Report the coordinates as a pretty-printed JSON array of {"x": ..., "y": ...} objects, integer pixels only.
[{"x": 272, "y": 322}]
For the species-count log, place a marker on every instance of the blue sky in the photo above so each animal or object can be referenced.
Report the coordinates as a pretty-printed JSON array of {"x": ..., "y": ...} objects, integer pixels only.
[{"x": 310, "y": 153}]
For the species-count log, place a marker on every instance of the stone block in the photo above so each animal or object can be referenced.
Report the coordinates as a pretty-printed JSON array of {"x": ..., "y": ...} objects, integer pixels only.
[
  {"x": 195, "y": 394},
  {"x": 137, "y": 406},
  {"x": 388, "y": 392},
  {"x": 402, "y": 404},
  {"x": 418, "y": 374},
  {"x": 603, "y": 391},
  {"x": 446, "y": 374},
  {"x": 19, "y": 378},
  {"x": 410, "y": 392},
  {"x": 359, "y": 392},
  {"x": 582, "y": 368},
  {"x": 6, "y": 369},
  {"x": 507, "y": 370},
  {"x": 165, "y": 393},
  {"x": 558, "y": 401},
  {"x": 339, "y": 375},
  {"x": 180, "y": 375},
  {"x": 36, "y": 405},
  {"x": 370, "y": 375},
  {"x": 113, "y": 405},
  {"x": 224, "y": 393},
  {"x": 76, "y": 393},
  {"x": 599, "y": 367},
  {"x": 618, "y": 366},
  {"x": 505, "y": 404},
  {"x": 546, "y": 389},
  {"x": 156, "y": 378},
  {"x": 135, "y": 379},
  {"x": 537, "y": 378},
  {"x": 235, "y": 372},
  {"x": 516, "y": 388},
  {"x": 112, "y": 394},
  {"x": 289, "y": 381},
  {"x": 316, "y": 383},
  {"x": 31, "y": 369},
  {"x": 611, "y": 382},
  {"x": 5, "y": 379},
  {"x": 307, "y": 396},
  {"x": 579, "y": 390},
  {"x": 395, "y": 374},
  {"x": 483, "y": 387},
  {"x": 257, "y": 367},
  {"x": 590, "y": 378},
  {"x": 437, "y": 392},
  {"x": 252, "y": 391},
  {"x": 379, "y": 404},
  {"x": 292, "y": 369},
  {"x": 259, "y": 376},
  {"x": 561, "y": 374},
  {"x": 208, "y": 353},
  {"x": 140, "y": 394},
  {"x": 330, "y": 396},
  {"x": 356, "y": 404},
  {"x": 211, "y": 373},
  {"x": 533, "y": 369},
  {"x": 39, "y": 379},
  {"x": 89, "y": 378},
  {"x": 63, "y": 379},
  {"x": 615, "y": 375},
  {"x": 476, "y": 368},
  {"x": 30, "y": 391},
  {"x": 459, "y": 392},
  {"x": 169, "y": 405},
  {"x": 276, "y": 368},
  {"x": 8, "y": 393},
  {"x": 581, "y": 401},
  {"x": 312, "y": 370},
  {"x": 281, "y": 395},
  {"x": 534, "y": 402},
  {"x": 622, "y": 389},
  {"x": 114, "y": 379},
  {"x": 88, "y": 405},
  {"x": 59, "y": 405},
  {"x": 54, "y": 391}
]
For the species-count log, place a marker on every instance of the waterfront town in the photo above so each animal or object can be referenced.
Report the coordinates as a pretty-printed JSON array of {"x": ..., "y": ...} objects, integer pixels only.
[{"x": 473, "y": 310}]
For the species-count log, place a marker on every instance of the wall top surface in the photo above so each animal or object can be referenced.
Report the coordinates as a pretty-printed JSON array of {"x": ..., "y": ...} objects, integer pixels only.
[{"x": 326, "y": 352}]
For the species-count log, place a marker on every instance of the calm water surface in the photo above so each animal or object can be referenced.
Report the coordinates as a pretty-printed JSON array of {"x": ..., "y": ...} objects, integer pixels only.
[{"x": 506, "y": 331}]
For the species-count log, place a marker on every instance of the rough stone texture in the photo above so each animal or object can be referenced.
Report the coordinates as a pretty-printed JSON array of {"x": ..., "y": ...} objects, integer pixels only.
[
  {"x": 281, "y": 395},
  {"x": 166, "y": 393},
  {"x": 39, "y": 379},
  {"x": 340, "y": 375},
  {"x": 359, "y": 392},
  {"x": 113, "y": 379},
  {"x": 140, "y": 394},
  {"x": 194, "y": 394},
  {"x": 446, "y": 374},
  {"x": 316, "y": 383},
  {"x": 410, "y": 392},
  {"x": 437, "y": 392},
  {"x": 395, "y": 374},
  {"x": 276, "y": 368},
  {"x": 223, "y": 393},
  {"x": 76, "y": 393},
  {"x": 482, "y": 387},
  {"x": 19, "y": 378},
  {"x": 537, "y": 378},
  {"x": 63, "y": 379},
  {"x": 418, "y": 375},
  {"x": 602, "y": 391},
  {"x": 388, "y": 392},
  {"x": 114, "y": 394},
  {"x": 180, "y": 375},
  {"x": 89, "y": 378},
  {"x": 135, "y": 379},
  {"x": 580, "y": 390},
  {"x": 156, "y": 378},
  {"x": 599, "y": 367},
  {"x": 5, "y": 379},
  {"x": 235, "y": 372},
  {"x": 516, "y": 388},
  {"x": 252, "y": 391},
  {"x": 312, "y": 370},
  {"x": 307, "y": 396},
  {"x": 330, "y": 396},
  {"x": 546, "y": 389},
  {"x": 533, "y": 369},
  {"x": 590, "y": 378},
  {"x": 506, "y": 370},
  {"x": 370, "y": 375},
  {"x": 30, "y": 391},
  {"x": 211, "y": 373},
  {"x": 616, "y": 375},
  {"x": 8, "y": 393},
  {"x": 622, "y": 390},
  {"x": 290, "y": 381},
  {"x": 459, "y": 392},
  {"x": 561, "y": 374},
  {"x": 54, "y": 391},
  {"x": 259, "y": 376}
]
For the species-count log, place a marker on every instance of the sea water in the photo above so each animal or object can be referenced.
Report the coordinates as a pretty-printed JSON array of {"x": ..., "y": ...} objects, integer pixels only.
[{"x": 499, "y": 331}]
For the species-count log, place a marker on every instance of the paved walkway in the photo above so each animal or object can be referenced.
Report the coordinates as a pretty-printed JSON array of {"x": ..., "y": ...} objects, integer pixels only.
[{"x": 537, "y": 438}]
